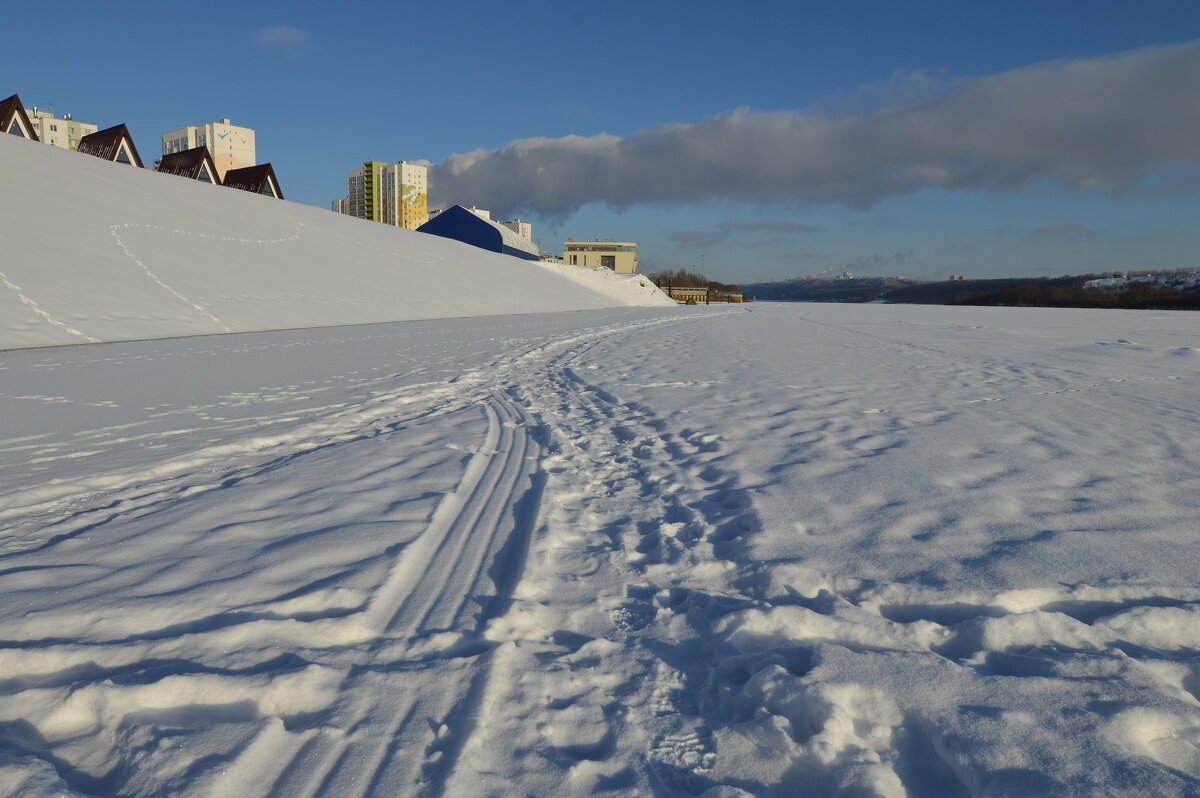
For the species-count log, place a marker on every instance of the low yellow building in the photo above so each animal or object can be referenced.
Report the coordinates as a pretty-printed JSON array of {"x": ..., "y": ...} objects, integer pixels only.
[{"x": 620, "y": 256}]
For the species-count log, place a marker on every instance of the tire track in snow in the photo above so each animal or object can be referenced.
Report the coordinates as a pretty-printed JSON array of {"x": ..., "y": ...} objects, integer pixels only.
[
  {"x": 416, "y": 660},
  {"x": 473, "y": 551},
  {"x": 435, "y": 579}
]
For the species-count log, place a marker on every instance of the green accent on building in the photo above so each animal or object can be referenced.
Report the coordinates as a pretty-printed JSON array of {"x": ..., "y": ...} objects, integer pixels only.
[{"x": 372, "y": 201}]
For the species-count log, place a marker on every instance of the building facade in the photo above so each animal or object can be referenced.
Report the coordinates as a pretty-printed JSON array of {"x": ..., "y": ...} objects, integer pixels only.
[
  {"x": 465, "y": 225},
  {"x": 65, "y": 132},
  {"x": 523, "y": 229},
  {"x": 363, "y": 200},
  {"x": 392, "y": 193},
  {"x": 232, "y": 147},
  {"x": 619, "y": 256},
  {"x": 404, "y": 187}
]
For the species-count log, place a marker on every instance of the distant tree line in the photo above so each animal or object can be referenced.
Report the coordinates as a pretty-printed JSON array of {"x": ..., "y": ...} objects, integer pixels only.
[
  {"x": 682, "y": 278},
  {"x": 1136, "y": 295}
]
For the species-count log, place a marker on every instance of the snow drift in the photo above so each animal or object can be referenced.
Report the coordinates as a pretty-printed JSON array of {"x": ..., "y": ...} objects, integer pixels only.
[{"x": 95, "y": 251}]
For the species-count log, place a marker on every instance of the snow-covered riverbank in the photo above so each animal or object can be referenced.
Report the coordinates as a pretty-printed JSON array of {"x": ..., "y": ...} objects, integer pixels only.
[{"x": 781, "y": 549}]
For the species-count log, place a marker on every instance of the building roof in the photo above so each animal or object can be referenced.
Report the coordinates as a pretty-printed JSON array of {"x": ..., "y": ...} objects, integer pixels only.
[
  {"x": 13, "y": 112},
  {"x": 110, "y": 144},
  {"x": 463, "y": 225},
  {"x": 258, "y": 179},
  {"x": 194, "y": 163},
  {"x": 597, "y": 243}
]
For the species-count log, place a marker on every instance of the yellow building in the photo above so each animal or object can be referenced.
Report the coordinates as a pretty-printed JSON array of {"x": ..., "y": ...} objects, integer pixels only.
[
  {"x": 231, "y": 147},
  {"x": 392, "y": 193},
  {"x": 405, "y": 190},
  {"x": 619, "y": 256},
  {"x": 65, "y": 132}
]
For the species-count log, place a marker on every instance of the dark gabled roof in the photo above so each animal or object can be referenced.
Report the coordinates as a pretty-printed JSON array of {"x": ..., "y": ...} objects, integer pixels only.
[
  {"x": 258, "y": 179},
  {"x": 188, "y": 163},
  {"x": 11, "y": 108},
  {"x": 106, "y": 144}
]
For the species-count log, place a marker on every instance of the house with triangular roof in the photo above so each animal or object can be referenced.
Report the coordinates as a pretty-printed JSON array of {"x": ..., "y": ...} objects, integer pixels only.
[
  {"x": 259, "y": 179},
  {"x": 14, "y": 120},
  {"x": 194, "y": 164},
  {"x": 112, "y": 144}
]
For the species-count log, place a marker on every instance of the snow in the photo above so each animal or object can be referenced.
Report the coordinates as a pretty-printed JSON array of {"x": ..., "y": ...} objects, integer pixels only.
[
  {"x": 882, "y": 550},
  {"x": 96, "y": 251},
  {"x": 772, "y": 549},
  {"x": 1178, "y": 281}
]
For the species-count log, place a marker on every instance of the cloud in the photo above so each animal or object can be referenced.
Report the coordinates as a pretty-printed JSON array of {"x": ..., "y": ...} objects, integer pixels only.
[
  {"x": 902, "y": 87},
  {"x": 284, "y": 38},
  {"x": 876, "y": 262},
  {"x": 1063, "y": 232},
  {"x": 697, "y": 238},
  {"x": 1106, "y": 124},
  {"x": 770, "y": 226},
  {"x": 727, "y": 227}
]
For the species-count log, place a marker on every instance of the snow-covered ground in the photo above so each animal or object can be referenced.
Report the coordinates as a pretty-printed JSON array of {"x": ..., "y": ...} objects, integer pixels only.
[
  {"x": 98, "y": 251},
  {"x": 1180, "y": 281},
  {"x": 777, "y": 549}
]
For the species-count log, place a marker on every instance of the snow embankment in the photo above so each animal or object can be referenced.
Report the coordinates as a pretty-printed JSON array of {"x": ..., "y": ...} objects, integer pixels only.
[{"x": 95, "y": 251}]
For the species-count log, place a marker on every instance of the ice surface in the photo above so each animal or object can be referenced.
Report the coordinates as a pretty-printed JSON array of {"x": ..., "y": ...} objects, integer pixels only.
[{"x": 766, "y": 550}]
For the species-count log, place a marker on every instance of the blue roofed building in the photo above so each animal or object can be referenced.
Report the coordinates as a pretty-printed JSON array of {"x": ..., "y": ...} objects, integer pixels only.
[{"x": 460, "y": 224}]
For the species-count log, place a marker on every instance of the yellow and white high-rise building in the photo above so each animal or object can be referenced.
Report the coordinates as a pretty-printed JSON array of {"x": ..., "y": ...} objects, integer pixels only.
[{"x": 392, "y": 193}]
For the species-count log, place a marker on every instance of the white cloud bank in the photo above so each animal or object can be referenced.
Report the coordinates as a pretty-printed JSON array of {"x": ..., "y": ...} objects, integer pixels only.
[{"x": 1103, "y": 123}]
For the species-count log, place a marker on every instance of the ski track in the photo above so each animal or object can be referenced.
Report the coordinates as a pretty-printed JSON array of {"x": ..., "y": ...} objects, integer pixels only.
[
  {"x": 438, "y": 597},
  {"x": 648, "y": 633}
]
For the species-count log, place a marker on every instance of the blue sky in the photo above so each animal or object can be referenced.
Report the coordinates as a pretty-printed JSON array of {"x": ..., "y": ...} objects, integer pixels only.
[{"x": 654, "y": 92}]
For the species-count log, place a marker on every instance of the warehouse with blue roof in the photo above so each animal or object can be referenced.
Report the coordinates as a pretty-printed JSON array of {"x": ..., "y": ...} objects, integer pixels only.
[{"x": 460, "y": 224}]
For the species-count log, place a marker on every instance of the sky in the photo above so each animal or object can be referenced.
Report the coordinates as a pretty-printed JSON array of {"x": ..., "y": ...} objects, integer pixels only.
[{"x": 751, "y": 141}]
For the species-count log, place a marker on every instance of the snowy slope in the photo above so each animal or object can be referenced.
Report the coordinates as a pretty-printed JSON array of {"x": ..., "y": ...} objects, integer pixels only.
[
  {"x": 94, "y": 251},
  {"x": 1179, "y": 281},
  {"x": 779, "y": 550}
]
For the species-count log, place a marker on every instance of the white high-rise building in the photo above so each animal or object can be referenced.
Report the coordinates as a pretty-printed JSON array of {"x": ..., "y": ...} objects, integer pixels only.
[
  {"x": 523, "y": 229},
  {"x": 404, "y": 189},
  {"x": 65, "y": 132},
  {"x": 231, "y": 147}
]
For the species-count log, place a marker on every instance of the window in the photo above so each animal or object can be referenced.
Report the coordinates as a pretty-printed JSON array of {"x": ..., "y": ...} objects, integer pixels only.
[
  {"x": 122, "y": 155},
  {"x": 54, "y": 128}
]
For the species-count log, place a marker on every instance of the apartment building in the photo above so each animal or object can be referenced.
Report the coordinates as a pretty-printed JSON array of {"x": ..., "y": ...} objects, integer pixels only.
[
  {"x": 64, "y": 132},
  {"x": 231, "y": 146},
  {"x": 404, "y": 189},
  {"x": 523, "y": 229},
  {"x": 391, "y": 193}
]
